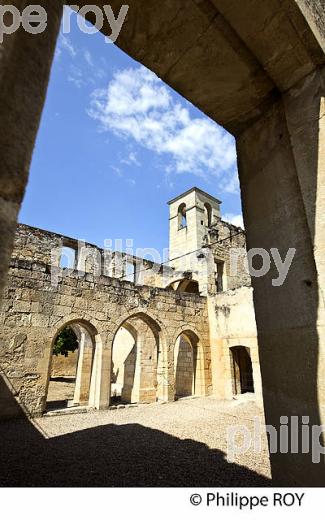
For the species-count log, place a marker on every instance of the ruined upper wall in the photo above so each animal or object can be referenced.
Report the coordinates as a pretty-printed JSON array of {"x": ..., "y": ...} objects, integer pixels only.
[
  {"x": 36, "y": 244},
  {"x": 228, "y": 244},
  {"x": 39, "y": 245}
]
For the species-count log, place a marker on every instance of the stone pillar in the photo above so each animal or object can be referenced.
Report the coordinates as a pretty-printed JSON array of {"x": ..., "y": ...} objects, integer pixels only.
[
  {"x": 216, "y": 348},
  {"x": 148, "y": 350},
  {"x": 25, "y": 63},
  {"x": 165, "y": 371},
  {"x": 282, "y": 170},
  {"x": 131, "y": 390},
  {"x": 76, "y": 397},
  {"x": 133, "y": 383},
  {"x": 100, "y": 384},
  {"x": 84, "y": 370}
]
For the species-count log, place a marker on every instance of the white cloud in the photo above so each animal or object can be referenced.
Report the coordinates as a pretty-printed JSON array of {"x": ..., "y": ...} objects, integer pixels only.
[
  {"x": 230, "y": 183},
  {"x": 81, "y": 72},
  {"x": 117, "y": 171},
  {"x": 58, "y": 53},
  {"x": 130, "y": 159},
  {"x": 88, "y": 58},
  {"x": 65, "y": 43},
  {"x": 120, "y": 174},
  {"x": 236, "y": 220},
  {"x": 137, "y": 105},
  {"x": 76, "y": 76}
]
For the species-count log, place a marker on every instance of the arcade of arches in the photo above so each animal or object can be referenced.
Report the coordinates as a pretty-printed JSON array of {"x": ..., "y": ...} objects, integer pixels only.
[{"x": 135, "y": 343}]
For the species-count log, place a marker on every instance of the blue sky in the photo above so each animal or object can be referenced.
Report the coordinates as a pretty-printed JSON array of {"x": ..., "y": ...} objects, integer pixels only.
[{"x": 115, "y": 144}]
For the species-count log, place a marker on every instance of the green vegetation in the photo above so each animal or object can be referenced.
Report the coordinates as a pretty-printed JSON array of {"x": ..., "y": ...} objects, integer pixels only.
[{"x": 65, "y": 342}]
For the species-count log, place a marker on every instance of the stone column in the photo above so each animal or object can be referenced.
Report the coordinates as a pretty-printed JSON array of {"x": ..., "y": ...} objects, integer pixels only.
[
  {"x": 165, "y": 371},
  {"x": 25, "y": 64},
  {"x": 84, "y": 370},
  {"x": 134, "y": 386},
  {"x": 100, "y": 384},
  {"x": 281, "y": 168},
  {"x": 148, "y": 362}
]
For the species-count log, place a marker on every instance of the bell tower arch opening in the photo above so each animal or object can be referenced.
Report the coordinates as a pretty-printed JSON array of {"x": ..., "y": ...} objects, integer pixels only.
[
  {"x": 207, "y": 214},
  {"x": 182, "y": 219}
]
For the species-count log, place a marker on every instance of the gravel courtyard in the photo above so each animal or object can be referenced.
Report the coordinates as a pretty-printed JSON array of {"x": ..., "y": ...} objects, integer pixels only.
[{"x": 176, "y": 444}]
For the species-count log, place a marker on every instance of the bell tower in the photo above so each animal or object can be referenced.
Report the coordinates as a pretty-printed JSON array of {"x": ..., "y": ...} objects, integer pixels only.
[{"x": 190, "y": 216}]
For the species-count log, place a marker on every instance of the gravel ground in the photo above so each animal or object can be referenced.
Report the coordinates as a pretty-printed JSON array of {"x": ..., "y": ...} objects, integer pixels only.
[
  {"x": 177, "y": 444},
  {"x": 61, "y": 389}
]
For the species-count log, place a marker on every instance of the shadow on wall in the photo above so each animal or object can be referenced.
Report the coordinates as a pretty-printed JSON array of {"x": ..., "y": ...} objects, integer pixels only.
[{"x": 8, "y": 405}]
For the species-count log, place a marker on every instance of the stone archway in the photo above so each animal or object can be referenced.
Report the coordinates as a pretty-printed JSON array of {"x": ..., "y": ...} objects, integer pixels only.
[
  {"x": 124, "y": 359},
  {"x": 242, "y": 370},
  {"x": 71, "y": 375},
  {"x": 188, "y": 365},
  {"x": 185, "y": 285},
  {"x": 136, "y": 360}
]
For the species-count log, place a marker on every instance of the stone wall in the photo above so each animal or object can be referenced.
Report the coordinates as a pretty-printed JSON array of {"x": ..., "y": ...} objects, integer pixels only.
[
  {"x": 146, "y": 365},
  {"x": 33, "y": 311},
  {"x": 34, "y": 244},
  {"x": 230, "y": 249},
  {"x": 236, "y": 326}
]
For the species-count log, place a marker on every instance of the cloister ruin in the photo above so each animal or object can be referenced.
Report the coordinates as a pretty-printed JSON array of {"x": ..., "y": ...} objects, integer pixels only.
[
  {"x": 144, "y": 339},
  {"x": 257, "y": 68}
]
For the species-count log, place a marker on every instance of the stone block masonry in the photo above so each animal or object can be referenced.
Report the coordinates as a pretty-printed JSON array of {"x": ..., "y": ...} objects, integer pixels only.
[{"x": 33, "y": 311}]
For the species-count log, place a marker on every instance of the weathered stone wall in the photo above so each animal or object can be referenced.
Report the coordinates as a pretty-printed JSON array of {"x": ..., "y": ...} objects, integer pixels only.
[
  {"x": 231, "y": 249},
  {"x": 39, "y": 245},
  {"x": 211, "y": 249},
  {"x": 33, "y": 311},
  {"x": 236, "y": 326},
  {"x": 40, "y": 300}
]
